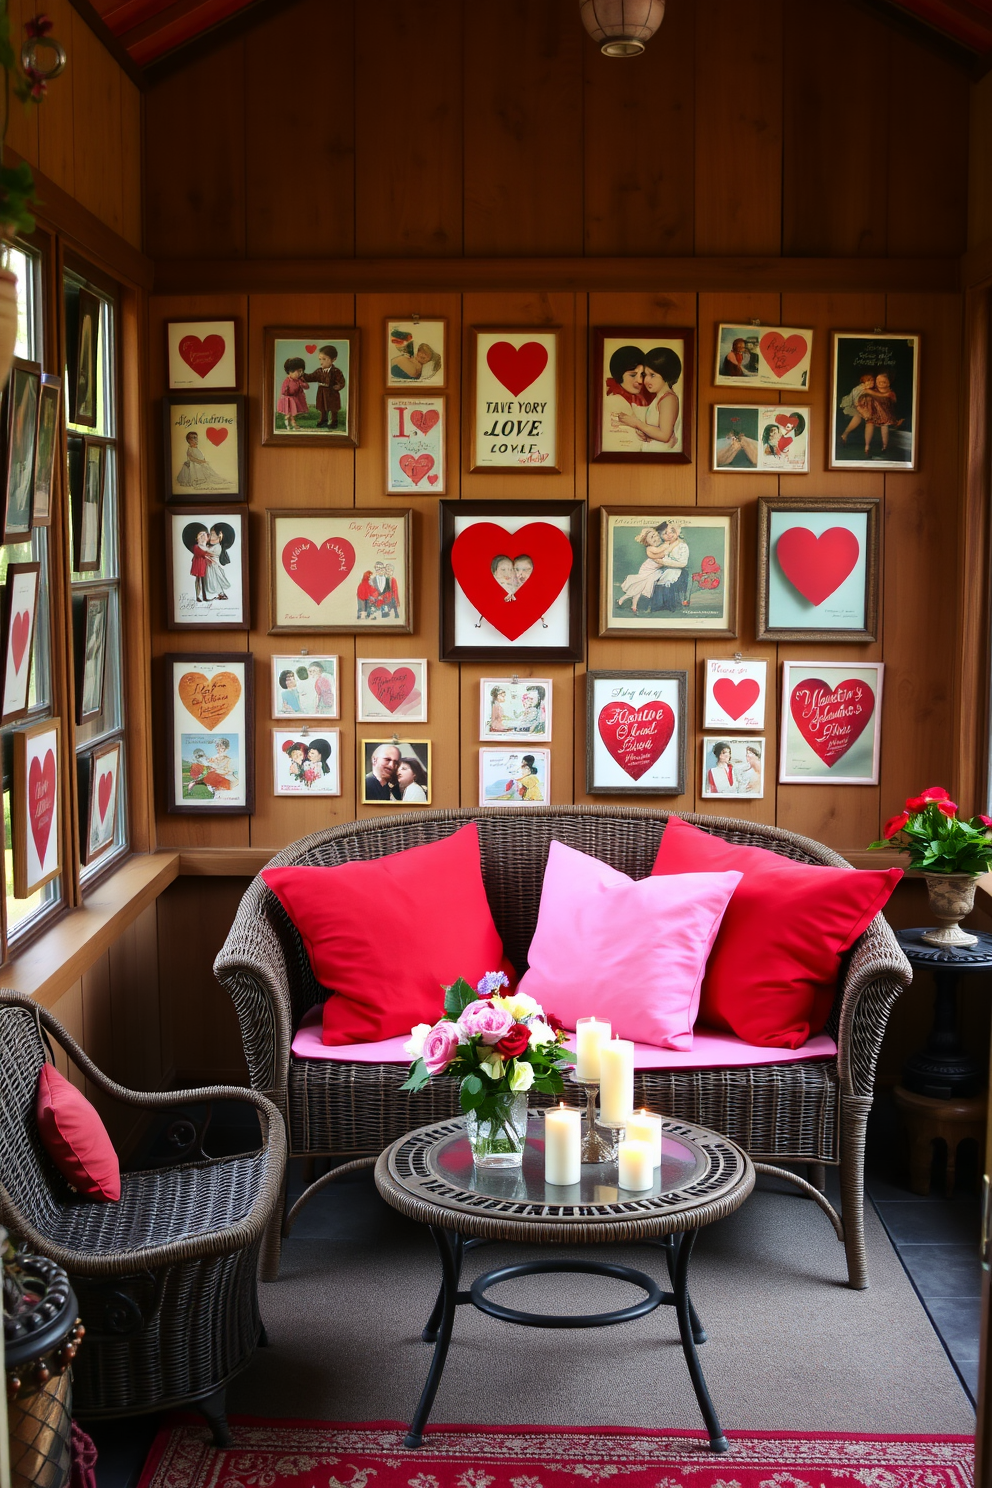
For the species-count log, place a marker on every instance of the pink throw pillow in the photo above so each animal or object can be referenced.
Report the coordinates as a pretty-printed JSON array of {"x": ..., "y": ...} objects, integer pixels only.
[
  {"x": 610, "y": 947},
  {"x": 75, "y": 1138}
]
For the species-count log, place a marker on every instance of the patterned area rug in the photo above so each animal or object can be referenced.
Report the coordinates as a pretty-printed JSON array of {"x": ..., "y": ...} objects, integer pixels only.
[{"x": 315, "y": 1454}]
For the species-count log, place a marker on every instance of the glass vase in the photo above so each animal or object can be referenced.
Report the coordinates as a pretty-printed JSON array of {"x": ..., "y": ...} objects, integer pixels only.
[{"x": 497, "y": 1140}]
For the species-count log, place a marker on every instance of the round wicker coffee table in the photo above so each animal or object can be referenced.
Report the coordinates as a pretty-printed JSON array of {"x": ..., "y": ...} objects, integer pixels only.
[{"x": 429, "y": 1176}]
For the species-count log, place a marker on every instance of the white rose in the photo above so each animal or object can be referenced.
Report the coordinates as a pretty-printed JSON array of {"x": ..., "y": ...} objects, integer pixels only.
[
  {"x": 521, "y": 1076},
  {"x": 540, "y": 1034},
  {"x": 415, "y": 1043},
  {"x": 492, "y": 1064}
]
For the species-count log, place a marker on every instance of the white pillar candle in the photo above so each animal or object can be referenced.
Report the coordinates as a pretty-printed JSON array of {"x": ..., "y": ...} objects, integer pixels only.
[
  {"x": 616, "y": 1081},
  {"x": 590, "y": 1035},
  {"x": 635, "y": 1165},
  {"x": 644, "y": 1126},
  {"x": 562, "y": 1145}
]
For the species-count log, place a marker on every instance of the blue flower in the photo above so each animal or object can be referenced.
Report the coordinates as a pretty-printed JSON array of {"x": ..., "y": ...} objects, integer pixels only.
[{"x": 491, "y": 983}]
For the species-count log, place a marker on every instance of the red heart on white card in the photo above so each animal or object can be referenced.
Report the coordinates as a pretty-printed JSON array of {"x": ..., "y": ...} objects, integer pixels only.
[
  {"x": 424, "y": 419},
  {"x": 735, "y": 697},
  {"x": 415, "y": 468},
  {"x": 391, "y": 688},
  {"x": 217, "y": 436},
  {"x": 318, "y": 570},
  {"x": 636, "y": 737},
  {"x": 516, "y": 367},
  {"x": 104, "y": 786},
  {"x": 432, "y": 480},
  {"x": 20, "y": 634},
  {"x": 202, "y": 356},
  {"x": 781, "y": 354},
  {"x": 817, "y": 566},
  {"x": 41, "y": 802},
  {"x": 831, "y": 720}
]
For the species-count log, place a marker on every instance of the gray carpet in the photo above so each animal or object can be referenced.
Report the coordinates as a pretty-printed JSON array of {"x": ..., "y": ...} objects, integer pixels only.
[{"x": 790, "y": 1346}]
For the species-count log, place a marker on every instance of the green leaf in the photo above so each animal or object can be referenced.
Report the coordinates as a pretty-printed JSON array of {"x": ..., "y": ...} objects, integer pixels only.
[
  {"x": 457, "y": 998},
  {"x": 418, "y": 1076}
]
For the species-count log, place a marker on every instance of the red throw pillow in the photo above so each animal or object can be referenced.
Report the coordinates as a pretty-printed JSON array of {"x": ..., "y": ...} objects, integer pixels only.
[
  {"x": 772, "y": 974},
  {"x": 75, "y": 1138},
  {"x": 387, "y": 934}
]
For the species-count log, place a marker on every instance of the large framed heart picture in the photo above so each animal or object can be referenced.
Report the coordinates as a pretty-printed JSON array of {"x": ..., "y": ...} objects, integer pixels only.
[
  {"x": 390, "y": 687},
  {"x": 209, "y": 733},
  {"x": 512, "y": 580},
  {"x": 99, "y": 778},
  {"x": 636, "y": 733},
  {"x": 512, "y": 407},
  {"x": 36, "y": 806},
  {"x": 831, "y": 723},
  {"x": 818, "y": 564},
  {"x": 641, "y": 383},
  {"x": 202, "y": 354},
  {"x": 345, "y": 571},
  {"x": 205, "y": 446},
  {"x": 668, "y": 570}
]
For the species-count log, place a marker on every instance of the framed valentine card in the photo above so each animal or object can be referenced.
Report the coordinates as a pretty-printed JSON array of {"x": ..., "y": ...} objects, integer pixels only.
[
  {"x": 757, "y": 437},
  {"x": 818, "y": 567},
  {"x": 416, "y": 353},
  {"x": 414, "y": 446},
  {"x": 202, "y": 354},
  {"x": 87, "y": 474},
  {"x": 19, "y": 615},
  {"x": 391, "y": 687},
  {"x": 90, "y": 614},
  {"x": 305, "y": 763},
  {"x": 735, "y": 693},
  {"x": 310, "y": 386},
  {"x": 733, "y": 768},
  {"x": 36, "y": 806},
  {"x": 82, "y": 355},
  {"x": 340, "y": 571},
  {"x": 99, "y": 775},
  {"x": 831, "y": 723},
  {"x": 305, "y": 686},
  {"x": 671, "y": 570},
  {"x": 20, "y": 423},
  {"x": 764, "y": 356},
  {"x": 641, "y": 383},
  {"x": 207, "y": 585},
  {"x": 514, "y": 777},
  {"x": 512, "y": 405},
  {"x": 394, "y": 771},
  {"x": 46, "y": 449},
  {"x": 515, "y": 708},
  {"x": 875, "y": 386},
  {"x": 512, "y": 580},
  {"x": 209, "y": 733},
  {"x": 205, "y": 447},
  {"x": 636, "y": 733}
]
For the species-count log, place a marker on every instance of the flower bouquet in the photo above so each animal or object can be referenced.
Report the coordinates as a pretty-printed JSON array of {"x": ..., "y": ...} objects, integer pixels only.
[
  {"x": 499, "y": 1045},
  {"x": 950, "y": 851}
]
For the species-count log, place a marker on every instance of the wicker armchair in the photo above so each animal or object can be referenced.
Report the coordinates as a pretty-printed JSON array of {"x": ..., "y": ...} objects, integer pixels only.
[
  {"x": 809, "y": 1113},
  {"x": 166, "y": 1277}
]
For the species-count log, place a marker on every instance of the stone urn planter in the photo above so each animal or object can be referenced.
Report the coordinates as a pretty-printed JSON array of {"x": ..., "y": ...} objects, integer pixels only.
[
  {"x": 952, "y": 896},
  {"x": 41, "y": 1334}
]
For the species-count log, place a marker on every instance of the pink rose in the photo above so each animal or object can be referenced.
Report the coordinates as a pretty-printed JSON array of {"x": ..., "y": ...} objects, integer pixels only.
[
  {"x": 482, "y": 1018},
  {"x": 440, "y": 1047}
]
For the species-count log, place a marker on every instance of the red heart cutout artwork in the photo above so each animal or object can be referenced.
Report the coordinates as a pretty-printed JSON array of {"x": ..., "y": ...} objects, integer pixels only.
[
  {"x": 424, "y": 419},
  {"x": 104, "y": 786},
  {"x": 636, "y": 737},
  {"x": 472, "y": 556},
  {"x": 20, "y": 633},
  {"x": 416, "y": 469},
  {"x": 312, "y": 349},
  {"x": 432, "y": 480},
  {"x": 202, "y": 356},
  {"x": 780, "y": 354},
  {"x": 318, "y": 571},
  {"x": 41, "y": 802},
  {"x": 216, "y": 436},
  {"x": 817, "y": 566},
  {"x": 831, "y": 721},
  {"x": 735, "y": 697},
  {"x": 391, "y": 688},
  {"x": 516, "y": 367}
]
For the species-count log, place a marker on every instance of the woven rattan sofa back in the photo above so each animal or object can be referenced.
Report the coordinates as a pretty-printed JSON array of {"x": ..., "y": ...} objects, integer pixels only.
[
  {"x": 26, "y": 1173},
  {"x": 514, "y": 847}
]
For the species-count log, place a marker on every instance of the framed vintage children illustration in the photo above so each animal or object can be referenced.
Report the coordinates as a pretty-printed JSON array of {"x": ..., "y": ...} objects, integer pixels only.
[
  {"x": 636, "y": 733},
  {"x": 875, "y": 401},
  {"x": 416, "y": 352},
  {"x": 99, "y": 776},
  {"x": 831, "y": 723},
  {"x": 205, "y": 447},
  {"x": 209, "y": 729},
  {"x": 87, "y": 472},
  {"x": 733, "y": 768},
  {"x": 515, "y": 708},
  {"x": 818, "y": 565},
  {"x": 20, "y": 423},
  {"x": 671, "y": 571},
  {"x": 512, "y": 404},
  {"x": 750, "y": 437},
  {"x": 83, "y": 336},
  {"x": 202, "y": 354},
  {"x": 641, "y": 382},
  {"x": 734, "y": 694},
  {"x": 310, "y": 387},
  {"x": 305, "y": 763},
  {"x": 414, "y": 446},
  {"x": 765, "y": 356},
  {"x": 391, "y": 687},
  {"x": 340, "y": 571},
  {"x": 394, "y": 771},
  {"x": 91, "y": 612},
  {"x": 512, "y": 580},
  {"x": 36, "y": 806},
  {"x": 207, "y": 585},
  {"x": 46, "y": 449},
  {"x": 19, "y": 616},
  {"x": 305, "y": 686},
  {"x": 514, "y": 777}
]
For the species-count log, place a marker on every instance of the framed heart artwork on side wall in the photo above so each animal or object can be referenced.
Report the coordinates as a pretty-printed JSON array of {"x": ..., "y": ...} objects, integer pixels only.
[
  {"x": 36, "y": 806},
  {"x": 99, "y": 775},
  {"x": 210, "y": 733},
  {"x": 202, "y": 354},
  {"x": 831, "y": 722},
  {"x": 345, "y": 570},
  {"x": 818, "y": 565},
  {"x": 636, "y": 733},
  {"x": 390, "y": 687},
  {"x": 512, "y": 407},
  {"x": 204, "y": 447},
  {"x": 18, "y": 618}
]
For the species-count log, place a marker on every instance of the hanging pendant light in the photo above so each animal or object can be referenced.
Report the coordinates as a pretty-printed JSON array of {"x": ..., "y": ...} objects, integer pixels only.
[{"x": 622, "y": 27}]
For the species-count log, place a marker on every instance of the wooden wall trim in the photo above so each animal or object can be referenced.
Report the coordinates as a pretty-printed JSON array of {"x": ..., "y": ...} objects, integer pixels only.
[
  {"x": 107, "y": 38},
  {"x": 570, "y": 275},
  {"x": 61, "y": 213}
]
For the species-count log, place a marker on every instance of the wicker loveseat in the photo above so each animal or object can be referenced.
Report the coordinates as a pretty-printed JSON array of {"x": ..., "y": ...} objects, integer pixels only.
[{"x": 807, "y": 1113}]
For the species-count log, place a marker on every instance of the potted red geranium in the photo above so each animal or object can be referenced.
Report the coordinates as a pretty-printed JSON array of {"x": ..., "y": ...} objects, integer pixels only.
[{"x": 951, "y": 852}]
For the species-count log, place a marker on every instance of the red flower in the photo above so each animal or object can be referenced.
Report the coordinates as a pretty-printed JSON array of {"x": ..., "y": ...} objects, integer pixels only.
[
  {"x": 895, "y": 824},
  {"x": 947, "y": 807},
  {"x": 986, "y": 821},
  {"x": 915, "y": 804},
  {"x": 38, "y": 26},
  {"x": 935, "y": 793},
  {"x": 514, "y": 1042},
  {"x": 557, "y": 1026}
]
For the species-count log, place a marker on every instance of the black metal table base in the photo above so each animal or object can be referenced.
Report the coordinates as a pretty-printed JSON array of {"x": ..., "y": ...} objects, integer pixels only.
[{"x": 451, "y": 1249}]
